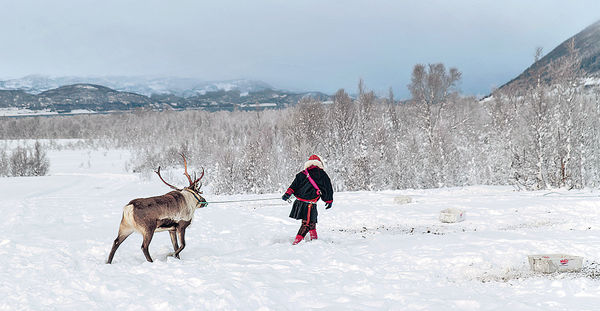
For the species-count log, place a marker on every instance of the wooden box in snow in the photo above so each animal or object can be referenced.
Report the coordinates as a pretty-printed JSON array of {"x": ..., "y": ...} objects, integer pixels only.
[
  {"x": 452, "y": 215},
  {"x": 550, "y": 263}
]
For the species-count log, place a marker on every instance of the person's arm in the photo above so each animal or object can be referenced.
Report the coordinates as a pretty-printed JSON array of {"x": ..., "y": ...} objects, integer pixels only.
[
  {"x": 327, "y": 191},
  {"x": 291, "y": 189}
]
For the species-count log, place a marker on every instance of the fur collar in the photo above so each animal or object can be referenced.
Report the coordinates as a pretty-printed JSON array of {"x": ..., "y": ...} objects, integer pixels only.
[{"x": 313, "y": 163}]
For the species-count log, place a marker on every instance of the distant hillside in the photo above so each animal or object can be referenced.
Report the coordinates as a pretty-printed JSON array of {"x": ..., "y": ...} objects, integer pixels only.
[
  {"x": 587, "y": 44},
  {"x": 98, "y": 98},
  {"x": 184, "y": 87}
]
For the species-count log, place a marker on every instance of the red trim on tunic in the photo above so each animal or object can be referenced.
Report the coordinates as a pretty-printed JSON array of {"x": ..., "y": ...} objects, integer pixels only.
[{"x": 308, "y": 201}]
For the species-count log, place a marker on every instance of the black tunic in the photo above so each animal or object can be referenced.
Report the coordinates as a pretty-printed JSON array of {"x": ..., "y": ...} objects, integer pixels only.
[
  {"x": 300, "y": 211},
  {"x": 304, "y": 190}
]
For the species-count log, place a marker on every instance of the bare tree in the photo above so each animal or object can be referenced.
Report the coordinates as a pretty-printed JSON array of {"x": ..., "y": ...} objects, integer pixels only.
[
  {"x": 38, "y": 162},
  {"x": 566, "y": 89},
  {"x": 432, "y": 88},
  {"x": 4, "y": 164},
  {"x": 537, "y": 117}
]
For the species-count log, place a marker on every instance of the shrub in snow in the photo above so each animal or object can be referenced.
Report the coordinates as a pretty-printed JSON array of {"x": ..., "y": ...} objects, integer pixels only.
[
  {"x": 29, "y": 162},
  {"x": 4, "y": 168}
]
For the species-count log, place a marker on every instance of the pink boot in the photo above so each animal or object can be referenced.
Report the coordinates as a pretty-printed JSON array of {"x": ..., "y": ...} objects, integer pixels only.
[
  {"x": 313, "y": 234},
  {"x": 298, "y": 239}
]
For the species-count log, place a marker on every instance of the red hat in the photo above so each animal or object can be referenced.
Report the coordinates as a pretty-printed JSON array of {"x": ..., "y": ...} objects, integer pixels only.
[
  {"x": 314, "y": 157},
  {"x": 314, "y": 160}
]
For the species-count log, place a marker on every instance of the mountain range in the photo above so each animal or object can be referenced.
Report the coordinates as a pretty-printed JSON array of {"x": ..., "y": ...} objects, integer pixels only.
[
  {"x": 184, "y": 87},
  {"x": 67, "y": 94}
]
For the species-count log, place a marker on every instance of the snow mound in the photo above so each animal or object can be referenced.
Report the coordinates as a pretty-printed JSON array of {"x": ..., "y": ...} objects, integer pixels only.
[{"x": 402, "y": 199}]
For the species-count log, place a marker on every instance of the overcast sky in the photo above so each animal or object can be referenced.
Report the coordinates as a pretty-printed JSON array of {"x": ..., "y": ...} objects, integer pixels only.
[{"x": 299, "y": 45}]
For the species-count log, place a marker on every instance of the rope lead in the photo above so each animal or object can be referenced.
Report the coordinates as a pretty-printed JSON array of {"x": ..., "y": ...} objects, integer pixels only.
[{"x": 237, "y": 201}]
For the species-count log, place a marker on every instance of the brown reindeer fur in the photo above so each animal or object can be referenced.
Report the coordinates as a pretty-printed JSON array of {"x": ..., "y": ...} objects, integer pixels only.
[{"x": 171, "y": 212}]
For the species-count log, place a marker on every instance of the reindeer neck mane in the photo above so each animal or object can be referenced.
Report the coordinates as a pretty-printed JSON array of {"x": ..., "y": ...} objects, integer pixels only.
[{"x": 195, "y": 194}]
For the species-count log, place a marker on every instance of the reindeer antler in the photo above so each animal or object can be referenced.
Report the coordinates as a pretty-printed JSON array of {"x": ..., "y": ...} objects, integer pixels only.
[
  {"x": 185, "y": 166},
  {"x": 158, "y": 173},
  {"x": 202, "y": 175}
]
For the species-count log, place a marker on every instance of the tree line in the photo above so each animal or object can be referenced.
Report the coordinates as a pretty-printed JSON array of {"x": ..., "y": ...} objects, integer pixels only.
[{"x": 541, "y": 136}]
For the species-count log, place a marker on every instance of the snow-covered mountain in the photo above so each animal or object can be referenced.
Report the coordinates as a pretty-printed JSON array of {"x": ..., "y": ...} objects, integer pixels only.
[
  {"x": 229, "y": 95},
  {"x": 587, "y": 46},
  {"x": 184, "y": 87}
]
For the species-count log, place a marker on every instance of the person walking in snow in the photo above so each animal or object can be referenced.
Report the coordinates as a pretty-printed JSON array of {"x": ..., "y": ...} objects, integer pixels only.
[{"x": 309, "y": 185}]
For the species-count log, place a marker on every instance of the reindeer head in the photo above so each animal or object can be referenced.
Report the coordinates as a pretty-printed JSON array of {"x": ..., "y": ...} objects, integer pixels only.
[{"x": 194, "y": 185}]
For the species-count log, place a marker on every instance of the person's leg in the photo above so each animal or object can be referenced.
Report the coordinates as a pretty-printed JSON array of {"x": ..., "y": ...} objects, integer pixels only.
[
  {"x": 304, "y": 228},
  {"x": 312, "y": 229}
]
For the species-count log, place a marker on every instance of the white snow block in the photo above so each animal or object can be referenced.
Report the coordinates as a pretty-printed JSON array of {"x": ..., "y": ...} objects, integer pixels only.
[
  {"x": 452, "y": 215},
  {"x": 550, "y": 263},
  {"x": 402, "y": 199}
]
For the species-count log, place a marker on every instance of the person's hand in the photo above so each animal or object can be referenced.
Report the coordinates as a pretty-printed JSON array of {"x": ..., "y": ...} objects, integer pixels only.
[
  {"x": 285, "y": 196},
  {"x": 328, "y": 205}
]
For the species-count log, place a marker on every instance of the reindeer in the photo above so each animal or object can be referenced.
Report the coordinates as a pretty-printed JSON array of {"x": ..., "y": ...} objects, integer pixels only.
[{"x": 171, "y": 212}]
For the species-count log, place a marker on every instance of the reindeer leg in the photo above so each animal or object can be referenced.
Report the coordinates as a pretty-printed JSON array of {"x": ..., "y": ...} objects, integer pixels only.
[
  {"x": 148, "y": 234},
  {"x": 124, "y": 232},
  {"x": 174, "y": 241},
  {"x": 181, "y": 233}
]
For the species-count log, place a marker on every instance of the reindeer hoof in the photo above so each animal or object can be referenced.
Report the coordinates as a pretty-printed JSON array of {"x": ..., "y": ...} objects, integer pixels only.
[{"x": 173, "y": 255}]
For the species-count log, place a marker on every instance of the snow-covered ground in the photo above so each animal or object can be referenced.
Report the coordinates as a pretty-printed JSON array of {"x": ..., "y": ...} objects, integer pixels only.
[
  {"x": 372, "y": 253},
  {"x": 23, "y": 112},
  {"x": 13, "y": 112}
]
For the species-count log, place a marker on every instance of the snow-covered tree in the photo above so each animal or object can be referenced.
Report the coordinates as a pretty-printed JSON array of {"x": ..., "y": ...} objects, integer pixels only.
[{"x": 432, "y": 89}]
